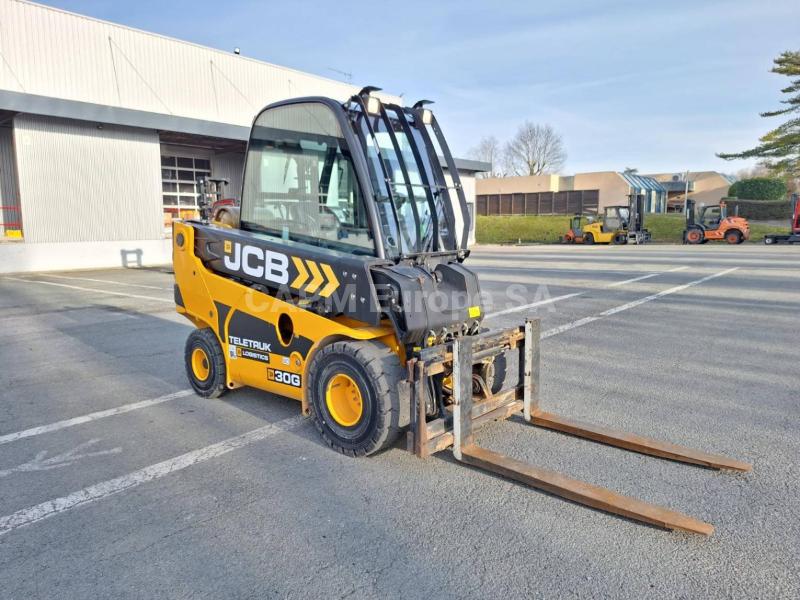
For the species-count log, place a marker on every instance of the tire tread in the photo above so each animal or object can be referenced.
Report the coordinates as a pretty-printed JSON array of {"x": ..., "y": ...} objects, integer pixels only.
[{"x": 385, "y": 372}]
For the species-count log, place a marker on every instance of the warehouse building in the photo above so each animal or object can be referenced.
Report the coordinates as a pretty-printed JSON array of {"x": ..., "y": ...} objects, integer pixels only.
[
  {"x": 587, "y": 193},
  {"x": 104, "y": 131}
]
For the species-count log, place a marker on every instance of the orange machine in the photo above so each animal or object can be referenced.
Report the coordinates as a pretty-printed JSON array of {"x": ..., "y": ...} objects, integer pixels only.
[{"x": 713, "y": 223}]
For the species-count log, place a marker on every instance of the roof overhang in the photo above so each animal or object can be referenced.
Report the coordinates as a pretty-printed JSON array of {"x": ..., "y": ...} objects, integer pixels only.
[
  {"x": 114, "y": 115},
  {"x": 643, "y": 183}
]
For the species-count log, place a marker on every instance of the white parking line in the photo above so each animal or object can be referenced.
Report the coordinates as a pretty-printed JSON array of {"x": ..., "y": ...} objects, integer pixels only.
[
  {"x": 573, "y": 295},
  {"x": 85, "y": 289},
  {"x": 532, "y": 305},
  {"x": 648, "y": 276},
  {"x": 98, "y": 491},
  {"x": 100, "y": 414},
  {"x": 75, "y": 278},
  {"x": 618, "y": 309}
]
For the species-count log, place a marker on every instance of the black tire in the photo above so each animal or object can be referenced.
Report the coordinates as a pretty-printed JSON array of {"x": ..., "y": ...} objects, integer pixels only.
[
  {"x": 377, "y": 372},
  {"x": 213, "y": 385},
  {"x": 734, "y": 236},
  {"x": 620, "y": 239},
  {"x": 694, "y": 236},
  {"x": 769, "y": 240},
  {"x": 588, "y": 239}
]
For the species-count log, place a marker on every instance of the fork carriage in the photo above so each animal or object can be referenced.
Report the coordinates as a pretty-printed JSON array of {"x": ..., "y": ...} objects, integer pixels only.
[{"x": 469, "y": 410}]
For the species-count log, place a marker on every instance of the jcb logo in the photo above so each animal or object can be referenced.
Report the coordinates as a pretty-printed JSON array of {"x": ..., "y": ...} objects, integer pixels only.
[
  {"x": 311, "y": 277},
  {"x": 255, "y": 262}
]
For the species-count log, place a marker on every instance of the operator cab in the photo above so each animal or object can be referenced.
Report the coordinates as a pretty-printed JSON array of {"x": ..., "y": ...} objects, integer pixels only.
[
  {"x": 361, "y": 178},
  {"x": 300, "y": 181},
  {"x": 712, "y": 216},
  {"x": 576, "y": 226},
  {"x": 616, "y": 218}
]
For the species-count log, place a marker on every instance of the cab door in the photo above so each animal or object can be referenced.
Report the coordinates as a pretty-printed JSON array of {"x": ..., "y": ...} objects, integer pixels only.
[{"x": 712, "y": 215}]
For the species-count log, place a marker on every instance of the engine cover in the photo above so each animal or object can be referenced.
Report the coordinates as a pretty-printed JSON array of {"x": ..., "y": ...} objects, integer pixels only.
[{"x": 422, "y": 301}]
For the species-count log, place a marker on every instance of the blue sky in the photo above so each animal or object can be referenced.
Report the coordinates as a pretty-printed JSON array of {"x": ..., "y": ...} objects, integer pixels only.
[{"x": 660, "y": 86}]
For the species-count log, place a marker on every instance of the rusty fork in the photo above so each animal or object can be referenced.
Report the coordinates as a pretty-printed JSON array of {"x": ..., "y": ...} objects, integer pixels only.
[{"x": 426, "y": 437}]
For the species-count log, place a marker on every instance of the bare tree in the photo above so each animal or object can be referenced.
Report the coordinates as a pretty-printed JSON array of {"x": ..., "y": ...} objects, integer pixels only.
[
  {"x": 758, "y": 170},
  {"x": 488, "y": 150},
  {"x": 534, "y": 150}
]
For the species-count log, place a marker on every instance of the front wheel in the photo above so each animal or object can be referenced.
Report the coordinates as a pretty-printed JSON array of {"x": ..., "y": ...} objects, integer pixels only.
[
  {"x": 733, "y": 236},
  {"x": 769, "y": 240},
  {"x": 355, "y": 397},
  {"x": 205, "y": 364},
  {"x": 694, "y": 236}
]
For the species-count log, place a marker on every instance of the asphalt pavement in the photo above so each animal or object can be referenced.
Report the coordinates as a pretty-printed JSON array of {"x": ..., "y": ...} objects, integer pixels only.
[{"x": 117, "y": 481}]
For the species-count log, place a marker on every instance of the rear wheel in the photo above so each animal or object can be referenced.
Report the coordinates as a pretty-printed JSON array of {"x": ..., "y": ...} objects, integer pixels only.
[
  {"x": 769, "y": 240},
  {"x": 355, "y": 397},
  {"x": 694, "y": 236},
  {"x": 588, "y": 239},
  {"x": 733, "y": 236},
  {"x": 205, "y": 364}
]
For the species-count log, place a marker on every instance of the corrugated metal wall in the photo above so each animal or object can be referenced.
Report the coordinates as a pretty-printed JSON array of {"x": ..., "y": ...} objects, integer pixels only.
[
  {"x": 9, "y": 200},
  {"x": 55, "y": 53},
  {"x": 82, "y": 183},
  {"x": 230, "y": 166}
]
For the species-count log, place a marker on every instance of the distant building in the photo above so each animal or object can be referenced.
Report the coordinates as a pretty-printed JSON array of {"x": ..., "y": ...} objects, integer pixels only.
[
  {"x": 105, "y": 129},
  {"x": 705, "y": 187},
  {"x": 564, "y": 195}
]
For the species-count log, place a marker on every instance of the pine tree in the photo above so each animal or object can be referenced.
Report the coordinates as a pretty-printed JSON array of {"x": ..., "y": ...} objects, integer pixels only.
[{"x": 780, "y": 148}]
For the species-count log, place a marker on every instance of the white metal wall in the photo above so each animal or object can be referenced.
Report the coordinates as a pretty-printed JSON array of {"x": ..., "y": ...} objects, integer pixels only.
[
  {"x": 82, "y": 183},
  {"x": 229, "y": 165},
  {"x": 8, "y": 182},
  {"x": 54, "y": 53}
]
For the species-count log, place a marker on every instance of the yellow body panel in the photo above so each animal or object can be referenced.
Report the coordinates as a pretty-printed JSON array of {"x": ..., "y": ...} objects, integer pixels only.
[
  {"x": 205, "y": 296},
  {"x": 600, "y": 236}
]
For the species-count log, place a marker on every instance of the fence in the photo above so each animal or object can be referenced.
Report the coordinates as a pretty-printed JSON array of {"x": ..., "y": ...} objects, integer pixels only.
[
  {"x": 539, "y": 203},
  {"x": 760, "y": 209}
]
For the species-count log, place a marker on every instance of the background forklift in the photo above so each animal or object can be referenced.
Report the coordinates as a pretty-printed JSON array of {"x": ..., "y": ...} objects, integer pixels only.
[
  {"x": 619, "y": 225},
  {"x": 577, "y": 224},
  {"x": 713, "y": 223},
  {"x": 213, "y": 203},
  {"x": 793, "y": 237},
  {"x": 368, "y": 317}
]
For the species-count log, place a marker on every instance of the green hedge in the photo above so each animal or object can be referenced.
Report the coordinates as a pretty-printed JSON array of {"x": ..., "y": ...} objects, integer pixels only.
[
  {"x": 759, "y": 188},
  {"x": 510, "y": 230},
  {"x": 760, "y": 210}
]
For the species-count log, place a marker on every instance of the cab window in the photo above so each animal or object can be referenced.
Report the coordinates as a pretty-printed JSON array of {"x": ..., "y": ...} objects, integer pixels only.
[
  {"x": 300, "y": 184},
  {"x": 711, "y": 216}
]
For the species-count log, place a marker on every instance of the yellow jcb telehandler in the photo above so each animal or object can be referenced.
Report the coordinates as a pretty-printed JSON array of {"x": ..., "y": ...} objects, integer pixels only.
[{"x": 341, "y": 284}]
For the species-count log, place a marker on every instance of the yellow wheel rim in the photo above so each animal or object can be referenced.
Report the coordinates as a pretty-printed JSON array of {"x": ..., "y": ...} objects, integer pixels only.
[
  {"x": 200, "y": 365},
  {"x": 343, "y": 399}
]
